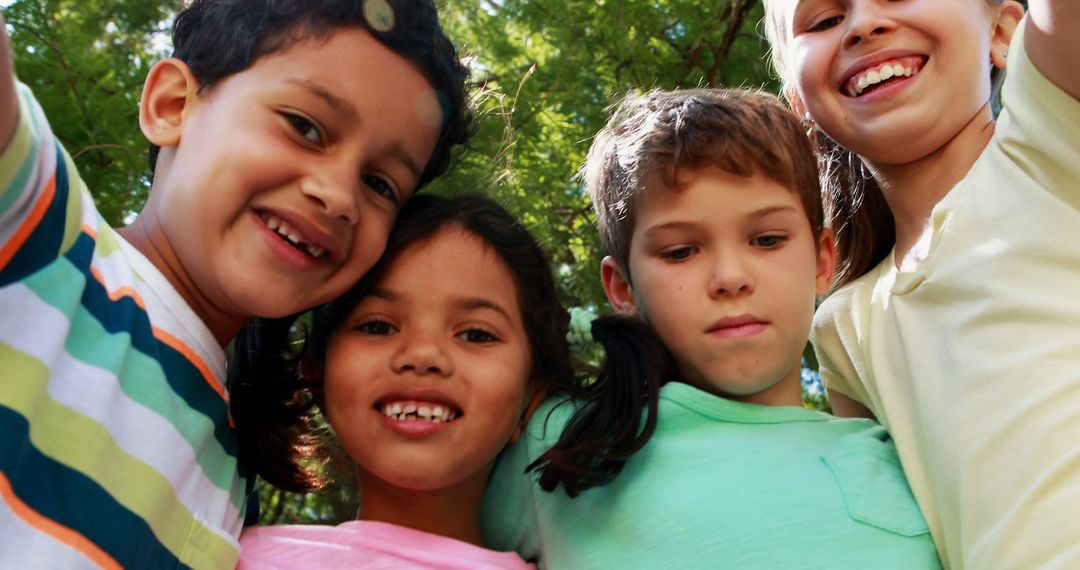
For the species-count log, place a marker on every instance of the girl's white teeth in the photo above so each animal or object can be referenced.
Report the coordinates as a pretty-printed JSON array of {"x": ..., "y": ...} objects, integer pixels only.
[
  {"x": 875, "y": 76},
  {"x": 413, "y": 411}
]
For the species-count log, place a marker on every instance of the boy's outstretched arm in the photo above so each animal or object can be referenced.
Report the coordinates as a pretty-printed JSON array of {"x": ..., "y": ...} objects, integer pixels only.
[
  {"x": 1052, "y": 40},
  {"x": 9, "y": 106}
]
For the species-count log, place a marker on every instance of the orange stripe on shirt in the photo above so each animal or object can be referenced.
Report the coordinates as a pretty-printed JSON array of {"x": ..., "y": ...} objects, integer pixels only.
[
  {"x": 124, "y": 291},
  {"x": 179, "y": 346},
  {"x": 54, "y": 529},
  {"x": 30, "y": 223}
]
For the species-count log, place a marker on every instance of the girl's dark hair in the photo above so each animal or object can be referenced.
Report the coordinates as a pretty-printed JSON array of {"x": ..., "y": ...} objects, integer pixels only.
[
  {"x": 855, "y": 209},
  {"x": 275, "y": 409},
  {"x": 616, "y": 415},
  {"x": 219, "y": 38}
]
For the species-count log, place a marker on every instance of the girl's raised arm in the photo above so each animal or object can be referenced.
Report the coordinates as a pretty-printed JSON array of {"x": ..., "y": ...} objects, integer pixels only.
[{"x": 1052, "y": 40}]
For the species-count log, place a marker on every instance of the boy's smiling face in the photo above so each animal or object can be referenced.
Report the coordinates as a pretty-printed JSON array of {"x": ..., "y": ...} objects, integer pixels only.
[
  {"x": 277, "y": 187},
  {"x": 725, "y": 270}
]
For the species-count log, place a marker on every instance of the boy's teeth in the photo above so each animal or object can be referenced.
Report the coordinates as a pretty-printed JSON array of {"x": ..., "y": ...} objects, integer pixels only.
[{"x": 286, "y": 231}]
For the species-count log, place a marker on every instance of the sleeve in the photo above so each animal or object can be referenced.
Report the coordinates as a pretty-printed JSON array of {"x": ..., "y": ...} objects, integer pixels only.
[
  {"x": 836, "y": 342},
  {"x": 1039, "y": 126},
  {"x": 40, "y": 209},
  {"x": 509, "y": 516}
]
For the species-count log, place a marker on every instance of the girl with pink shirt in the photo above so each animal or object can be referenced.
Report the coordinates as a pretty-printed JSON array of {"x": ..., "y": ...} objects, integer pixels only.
[{"x": 425, "y": 370}]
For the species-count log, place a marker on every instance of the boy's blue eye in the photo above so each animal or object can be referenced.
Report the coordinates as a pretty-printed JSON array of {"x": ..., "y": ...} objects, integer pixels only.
[
  {"x": 479, "y": 336},
  {"x": 378, "y": 328},
  {"x": 678, "y": 254},
  {"x": 380, "y": 186},
  {"x": 768, "y": 241},
  {"x": 304, "y": 127}
]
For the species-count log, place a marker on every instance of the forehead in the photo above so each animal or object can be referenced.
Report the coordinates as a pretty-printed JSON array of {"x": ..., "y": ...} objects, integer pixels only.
[
  {"x": 712, "y": 197},
  {"x": 451, "y": 262}
]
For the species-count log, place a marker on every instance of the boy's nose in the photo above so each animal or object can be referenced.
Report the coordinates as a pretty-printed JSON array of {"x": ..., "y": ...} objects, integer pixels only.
[
  {"x": 866, "y": 20},
  {"x": 731, "y": 277},
  {"x": 422, "y": 354},
  {"x": 337, "y": 195}
]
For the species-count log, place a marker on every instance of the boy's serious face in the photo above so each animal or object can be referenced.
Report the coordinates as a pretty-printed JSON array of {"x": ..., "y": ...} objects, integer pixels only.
[
  {"x": 725, "y": 270},
  {"x": 277, "y": 187}
]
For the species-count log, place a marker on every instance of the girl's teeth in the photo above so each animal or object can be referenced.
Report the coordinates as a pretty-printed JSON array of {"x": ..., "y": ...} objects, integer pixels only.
[
  {"x": 886, "y": 72},
  {"x": 436, "y": 414},
  {"x": 273, "y": 223}
]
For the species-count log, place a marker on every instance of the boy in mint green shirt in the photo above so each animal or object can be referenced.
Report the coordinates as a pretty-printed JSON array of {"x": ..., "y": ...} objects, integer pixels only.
[{"x": 692, "y": 448}]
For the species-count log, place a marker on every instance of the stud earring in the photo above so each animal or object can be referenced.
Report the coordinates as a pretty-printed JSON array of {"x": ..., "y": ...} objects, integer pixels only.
[{"x": 1005, "y": 52}]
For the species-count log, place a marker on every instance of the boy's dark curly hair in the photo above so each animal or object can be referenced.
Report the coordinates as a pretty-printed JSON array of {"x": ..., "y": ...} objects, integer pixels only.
[{"x": 218, "y": 38}]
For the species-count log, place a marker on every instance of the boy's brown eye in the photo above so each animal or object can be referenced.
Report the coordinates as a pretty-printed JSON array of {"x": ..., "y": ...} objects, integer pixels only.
[
  {"x": 304, "y": 127},
  {"x": 380, "y": 186}
]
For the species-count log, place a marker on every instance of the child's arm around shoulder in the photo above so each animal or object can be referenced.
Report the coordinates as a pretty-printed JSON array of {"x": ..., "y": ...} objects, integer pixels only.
[
  {"x": 9, "y": 105},
  {"x": 1052, "y": 40}
]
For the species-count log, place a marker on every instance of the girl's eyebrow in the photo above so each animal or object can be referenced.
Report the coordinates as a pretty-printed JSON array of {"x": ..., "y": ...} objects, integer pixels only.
[
  {"x": 463, "y": 302},
  {"x": 475, "y": 303}
]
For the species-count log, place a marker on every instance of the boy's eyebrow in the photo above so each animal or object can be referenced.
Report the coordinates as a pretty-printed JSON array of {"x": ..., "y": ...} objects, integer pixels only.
[
  {"x": 774, "y": 210},
  {"x": 343, "y": 107},
  {"x": 338, "y": 104},
  {"x": 681, "y": 225}
]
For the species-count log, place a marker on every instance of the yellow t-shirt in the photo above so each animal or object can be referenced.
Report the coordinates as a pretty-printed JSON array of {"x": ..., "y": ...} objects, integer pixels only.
[{"x": 972, "y": 359}]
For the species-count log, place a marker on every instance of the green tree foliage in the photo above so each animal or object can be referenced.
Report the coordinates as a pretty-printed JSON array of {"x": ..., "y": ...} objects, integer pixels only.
[
  {"x": 86, "y": 61},
  {"x": 546, "y": 72}
]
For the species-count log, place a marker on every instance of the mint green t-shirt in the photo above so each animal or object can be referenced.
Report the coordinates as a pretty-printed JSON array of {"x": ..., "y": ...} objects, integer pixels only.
[{"x": 721, "y": 484}]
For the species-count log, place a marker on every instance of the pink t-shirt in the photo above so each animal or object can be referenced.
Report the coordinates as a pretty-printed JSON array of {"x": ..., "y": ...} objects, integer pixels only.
[{"x": 365, "y": 544}]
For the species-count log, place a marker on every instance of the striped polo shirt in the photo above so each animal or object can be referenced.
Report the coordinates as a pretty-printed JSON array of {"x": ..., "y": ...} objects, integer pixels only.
[{"x": 116, "y": 447}]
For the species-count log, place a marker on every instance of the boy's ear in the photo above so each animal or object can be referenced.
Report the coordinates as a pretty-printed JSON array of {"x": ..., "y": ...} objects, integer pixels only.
[
  {"x": 617, "y": 287},
  {"x": 1009, "y": 14},
  {"x": 169, "y": 91},
  {"x": 534, "y": 402},
  {"x": 826, "y": 262}
]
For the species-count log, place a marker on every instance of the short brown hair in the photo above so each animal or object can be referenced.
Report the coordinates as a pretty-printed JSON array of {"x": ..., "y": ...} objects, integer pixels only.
[{"x": 740, "y": 131}]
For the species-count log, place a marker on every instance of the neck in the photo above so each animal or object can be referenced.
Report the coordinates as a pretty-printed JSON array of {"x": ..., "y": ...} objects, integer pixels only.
[
  {"x": 913, "y": 189},
  {"x": 453, "y": 512},
  {"x": 147, "y": 237}
]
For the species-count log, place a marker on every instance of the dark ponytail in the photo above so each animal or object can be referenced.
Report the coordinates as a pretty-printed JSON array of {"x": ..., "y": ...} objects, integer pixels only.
[
  {"x": 856, "y": 210},
  {"x": 616, "y": 414},
  {"x": 273, "y": 407}
]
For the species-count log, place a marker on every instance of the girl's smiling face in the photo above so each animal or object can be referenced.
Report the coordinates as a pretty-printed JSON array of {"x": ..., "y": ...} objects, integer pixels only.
[
  {"x": 875, "y": 73},
  {"x": 428, "y": 378}
]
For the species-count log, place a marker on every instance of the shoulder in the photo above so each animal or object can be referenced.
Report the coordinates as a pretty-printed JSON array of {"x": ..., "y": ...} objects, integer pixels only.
[{"x": 1037, "y": 130}]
